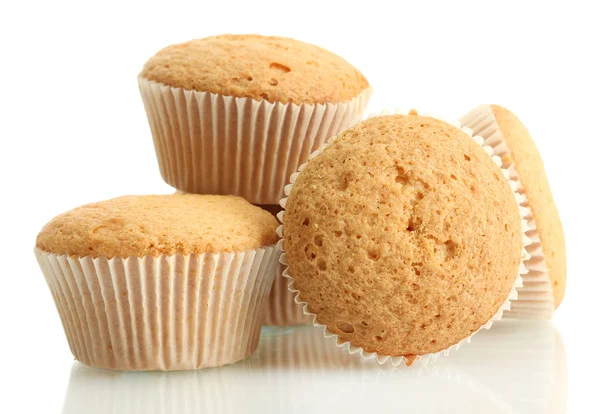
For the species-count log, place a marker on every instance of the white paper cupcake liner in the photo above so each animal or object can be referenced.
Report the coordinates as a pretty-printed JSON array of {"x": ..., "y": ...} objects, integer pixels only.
[
  {"x": 215, "y": 144},
  {"x": 536, "y": 297},
  {"x": 427, "y": 358},
  {"x": 165, "y": 313},
  {"x": 282, "y": 310}
]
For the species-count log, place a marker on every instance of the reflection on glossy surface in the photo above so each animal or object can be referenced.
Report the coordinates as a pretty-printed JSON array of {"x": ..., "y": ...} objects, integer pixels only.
[{"x": 515, "y": 367}]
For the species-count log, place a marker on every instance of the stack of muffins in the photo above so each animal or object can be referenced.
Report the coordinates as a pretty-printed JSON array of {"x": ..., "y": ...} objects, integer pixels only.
[
  {"x": 404, "y": 235},
  {"x": 182, "y": 281},
  {"x": 237, "y": 114}
]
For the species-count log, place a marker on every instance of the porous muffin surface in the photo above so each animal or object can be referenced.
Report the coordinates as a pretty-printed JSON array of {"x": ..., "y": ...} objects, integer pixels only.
[
  {"x": 402, "y": 236},
  {"x": 525, "y": 157},
  {"x": 159, "y": 224},
  {"x": 259, "y": 67}
]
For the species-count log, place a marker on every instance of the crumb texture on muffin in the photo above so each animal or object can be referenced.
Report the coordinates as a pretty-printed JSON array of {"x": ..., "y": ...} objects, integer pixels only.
[
  {"x": 403, "y": 236},
  {"x": 259, "y": 67},
  {"x": 524, "y": 155},
  {"x": 159, "y": 224}
]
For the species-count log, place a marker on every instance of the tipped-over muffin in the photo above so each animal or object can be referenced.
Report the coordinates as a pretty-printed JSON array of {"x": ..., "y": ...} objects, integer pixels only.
[
  {"x": 544, "y": 286},
  {"x": 237, "y": 114},
  {"x": 403, "y": 236},
  {"x": 160, "y": 282}
]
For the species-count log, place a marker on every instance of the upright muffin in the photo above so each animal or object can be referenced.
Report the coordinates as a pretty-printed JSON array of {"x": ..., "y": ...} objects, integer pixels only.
[
  {"x": 402, "y": 236},
  {"x": 282, "y": 310},
  {"x": 544, "y": 285},
  {"x": 237, "y": 114},
  {"x": 165, "y": 282}
]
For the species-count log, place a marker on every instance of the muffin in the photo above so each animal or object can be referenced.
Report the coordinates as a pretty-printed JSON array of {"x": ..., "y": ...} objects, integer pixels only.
[
  {"x": 160, "y": 282},
  {"x": 237, "y": 114},
  {"x": 282, "y": 310},
  {"x": 544, "y": 285},
  {"x": 402, "y": 236}
]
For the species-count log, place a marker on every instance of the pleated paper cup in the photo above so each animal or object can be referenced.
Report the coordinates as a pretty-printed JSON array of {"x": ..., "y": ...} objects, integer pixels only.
[
  {"x": 427, "y": 358},
  {"x": 215, "y": 144},
  {"x": 281, "y": 309},
  {"x": 536, "y": 297},
  {"x": 161, "y": 313}
]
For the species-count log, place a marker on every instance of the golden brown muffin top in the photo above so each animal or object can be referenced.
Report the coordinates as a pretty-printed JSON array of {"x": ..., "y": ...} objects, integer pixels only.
[
  {"x": 259, "y": 67},
  {"x": 159, "y": 224},
  {"x": 524, "y": 155},
  {"x": 403, "y": 236}
]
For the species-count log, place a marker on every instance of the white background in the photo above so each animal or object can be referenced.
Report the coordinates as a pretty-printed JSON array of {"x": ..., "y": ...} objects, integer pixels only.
[{"x": 73, "y": 130}]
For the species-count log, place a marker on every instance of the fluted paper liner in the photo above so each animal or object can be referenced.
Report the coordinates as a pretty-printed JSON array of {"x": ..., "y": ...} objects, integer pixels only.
[
  {"x": 282, "y": 310},
  {"x": 427, "y": 358},
  {"x": 161, "y": 313},
  {"x": 536, "y": 297},
  {"x": 209, "y": 143}
]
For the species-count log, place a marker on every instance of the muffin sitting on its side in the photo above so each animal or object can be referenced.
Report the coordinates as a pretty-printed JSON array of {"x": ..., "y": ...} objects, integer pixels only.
[
  {"x": 402, "y": 236},
  {"x": 237, "y": 114},
  {"x": 164, "y": 282}
]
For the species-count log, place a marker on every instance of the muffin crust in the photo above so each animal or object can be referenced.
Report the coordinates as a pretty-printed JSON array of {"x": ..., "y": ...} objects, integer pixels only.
[
  {"x": 259, "y": 67},
  {"x": 159, "y": 225},
  {"x": 402, "y": 236}
]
